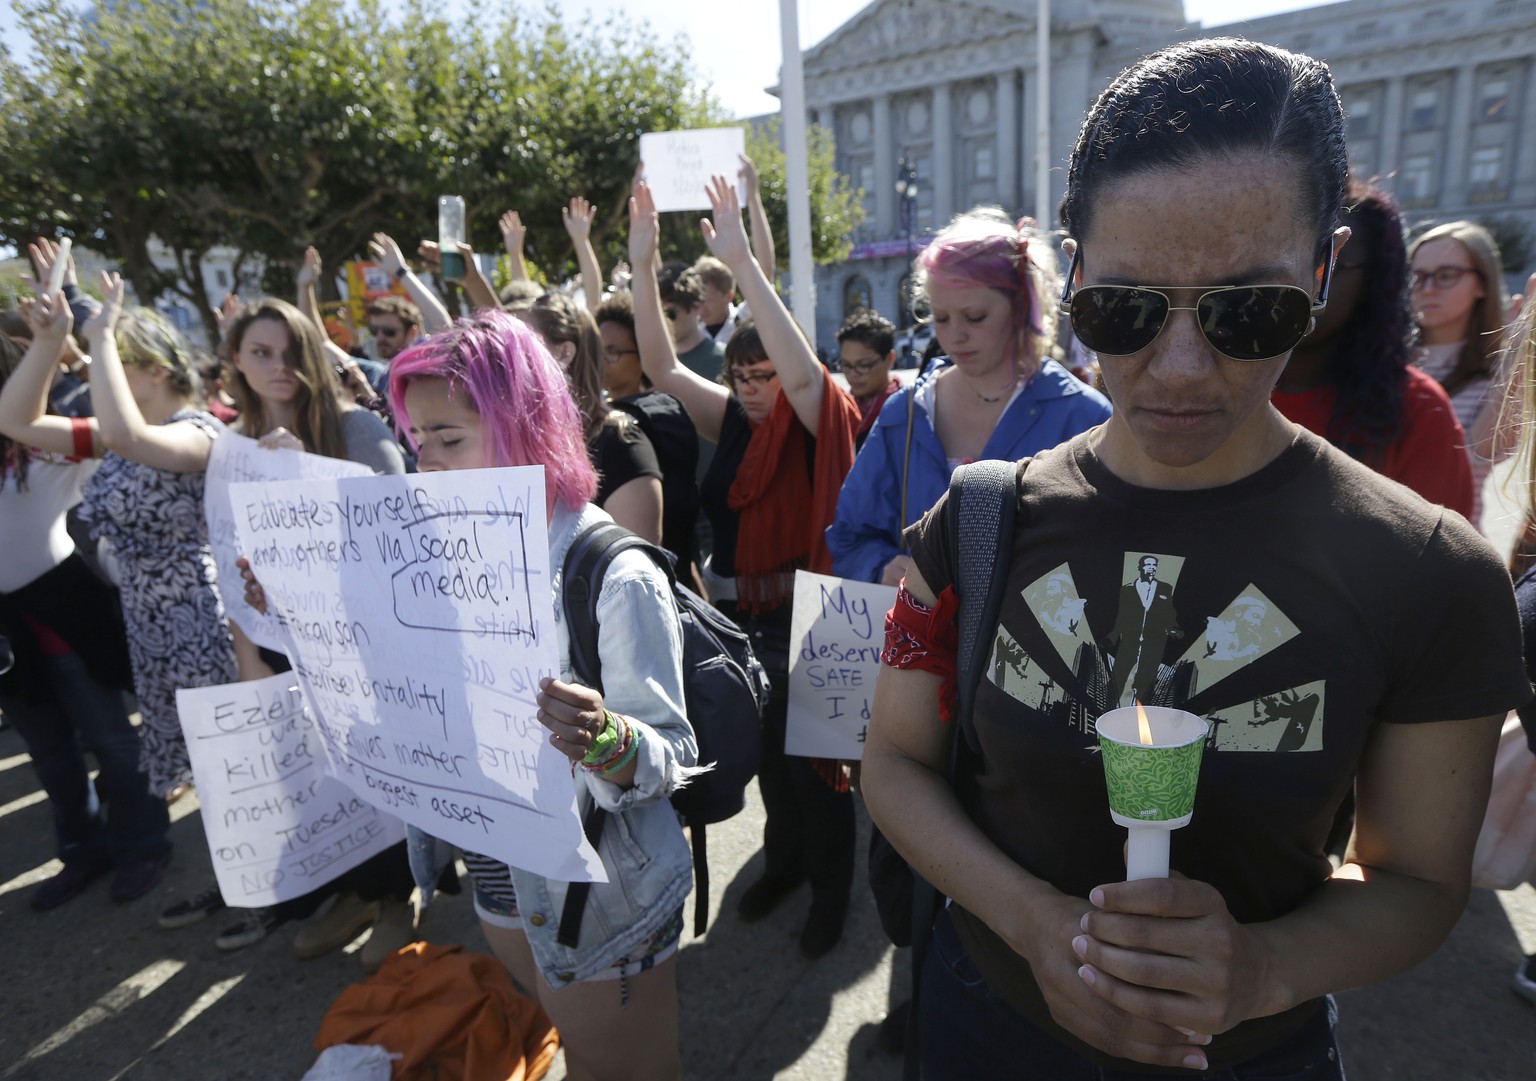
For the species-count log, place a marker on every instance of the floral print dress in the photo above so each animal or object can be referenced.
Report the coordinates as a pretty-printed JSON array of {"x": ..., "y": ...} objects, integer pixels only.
[{"x": 177, "y": 632}]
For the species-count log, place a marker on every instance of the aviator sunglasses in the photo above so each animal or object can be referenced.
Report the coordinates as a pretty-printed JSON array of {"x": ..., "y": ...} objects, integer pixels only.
[{"x": 1242, "y": 322}]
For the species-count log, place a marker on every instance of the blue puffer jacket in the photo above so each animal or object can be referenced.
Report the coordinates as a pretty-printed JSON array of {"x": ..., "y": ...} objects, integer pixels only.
[{"x": 866, "y": 534}]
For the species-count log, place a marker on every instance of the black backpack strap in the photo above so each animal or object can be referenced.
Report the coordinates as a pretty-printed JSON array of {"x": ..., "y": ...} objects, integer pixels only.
[
  {"x": 586, "y": 561},
  {"x": 979, "y": 524}
]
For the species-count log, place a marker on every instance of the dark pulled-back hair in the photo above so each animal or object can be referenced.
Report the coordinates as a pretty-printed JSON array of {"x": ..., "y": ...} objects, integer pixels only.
[
  {"x": 1371, "y": 350},
  {"x": 1214, "y": 98}
]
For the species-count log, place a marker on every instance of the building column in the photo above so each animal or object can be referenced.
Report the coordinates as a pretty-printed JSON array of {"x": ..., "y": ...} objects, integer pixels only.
[
  {"x": 943, "y": 157},
  {"x": 813, "y": 117},
  {"x": 885, "y": 169},
  {"x": 1390, "y": 141},
  {"x": 1522, "y": 185},
  {"x": 1007, "y": 107},
  {"x": 1458, "y": 125}
]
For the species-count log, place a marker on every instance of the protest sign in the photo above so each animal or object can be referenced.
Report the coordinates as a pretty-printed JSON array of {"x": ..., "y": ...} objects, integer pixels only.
[
  {"x": 419, "y": 616},
  {"x": 836, "y": 631},
  {"x": 277, "y": 826},
  {"x": 679, "y": 164},
  {"x": 235, "y": 459}
]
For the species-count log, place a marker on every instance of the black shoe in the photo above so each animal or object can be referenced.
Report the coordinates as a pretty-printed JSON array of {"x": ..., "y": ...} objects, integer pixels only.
[
  {"x": 823, "y": 927},
  {"x": 763, "y": 896},
  {"x": 252, "y": 928},
  {"x": 200, "y": 907},
  {"x": 68, "y": 883},
  {"x": 1525, "y": 979},
  {"x": 136, "y": 879},
  {"x": 892, "y": 1034}
]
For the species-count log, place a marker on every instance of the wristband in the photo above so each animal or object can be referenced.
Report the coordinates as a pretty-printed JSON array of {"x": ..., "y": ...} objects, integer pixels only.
[
  {"x": 605, "y": 743},
  {"x": 80, "y": 432},
  {"x": 402, "y": 272}
]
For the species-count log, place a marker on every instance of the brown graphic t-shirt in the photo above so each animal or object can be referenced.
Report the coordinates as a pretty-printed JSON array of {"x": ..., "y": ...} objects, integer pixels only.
[{"x": 1292, "y": 610}]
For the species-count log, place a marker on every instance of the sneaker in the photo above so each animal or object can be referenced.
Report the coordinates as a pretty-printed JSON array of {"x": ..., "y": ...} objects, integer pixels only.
[
  {"x": 394, "y": 930},
  {"x": 1525, "y": 979},
  {"x": 763, "y": 896},
  {"x": 336, "y": 922},
  {"x": 134, "y": 880},
  {"x": 68, "y": 884},
  {"x": 252, "y": 928},
  {"x": 193, "y": 909}
]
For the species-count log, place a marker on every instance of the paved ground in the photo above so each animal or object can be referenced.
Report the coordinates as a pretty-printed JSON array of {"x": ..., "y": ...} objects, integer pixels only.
[{"x": 97, "y": 992}]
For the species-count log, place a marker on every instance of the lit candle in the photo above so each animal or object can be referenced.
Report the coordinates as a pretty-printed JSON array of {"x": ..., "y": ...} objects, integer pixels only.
[{"x": 1151, "y": 767}]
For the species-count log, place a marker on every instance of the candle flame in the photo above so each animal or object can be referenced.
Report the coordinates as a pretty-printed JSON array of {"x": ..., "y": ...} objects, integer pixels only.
[{"x": 1143, "y": 726}]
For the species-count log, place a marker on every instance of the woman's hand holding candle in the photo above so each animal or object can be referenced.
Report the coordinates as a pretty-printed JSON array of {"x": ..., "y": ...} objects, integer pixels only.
[{"x": 1167, "y": 950}]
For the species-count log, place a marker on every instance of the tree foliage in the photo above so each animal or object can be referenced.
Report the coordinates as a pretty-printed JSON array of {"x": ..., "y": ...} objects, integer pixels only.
[
  {"x": 836, "y": 209},
  {"x": 270, "y": 125}
]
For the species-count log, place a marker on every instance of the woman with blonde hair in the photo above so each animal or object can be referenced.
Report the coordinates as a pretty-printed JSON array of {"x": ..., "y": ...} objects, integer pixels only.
[{"x": 1457, "y": 281}]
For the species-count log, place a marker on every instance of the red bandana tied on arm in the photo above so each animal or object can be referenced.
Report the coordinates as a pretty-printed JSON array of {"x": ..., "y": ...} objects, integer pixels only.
[{"x": 785, "y": 509}]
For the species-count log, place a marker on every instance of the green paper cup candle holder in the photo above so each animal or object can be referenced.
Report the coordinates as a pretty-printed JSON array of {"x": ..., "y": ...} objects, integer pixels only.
[{"x": 1151, "y": 766}]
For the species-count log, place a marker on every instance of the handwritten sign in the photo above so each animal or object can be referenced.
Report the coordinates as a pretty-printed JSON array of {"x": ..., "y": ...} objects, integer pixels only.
[
  {"x": 836, "y": 632},
  {"x": 236, "y": 459},
  {"x": 277, "y": 826},
  {"x": 679, "y": 164},
  {"x": 419, "y": 616}
]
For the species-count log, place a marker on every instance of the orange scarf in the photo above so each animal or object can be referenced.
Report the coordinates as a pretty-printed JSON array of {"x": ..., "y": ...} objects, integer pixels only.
[{"x": 784, "y": 508}]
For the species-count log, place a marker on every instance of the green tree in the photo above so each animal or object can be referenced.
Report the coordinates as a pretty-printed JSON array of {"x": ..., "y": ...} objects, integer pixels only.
[{"x": 836, "y": 209}]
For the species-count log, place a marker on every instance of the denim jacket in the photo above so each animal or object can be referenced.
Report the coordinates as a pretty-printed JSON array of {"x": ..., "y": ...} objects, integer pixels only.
[
  {"x": 650, "y": 870},
  {"x": 865, "y": 535}
]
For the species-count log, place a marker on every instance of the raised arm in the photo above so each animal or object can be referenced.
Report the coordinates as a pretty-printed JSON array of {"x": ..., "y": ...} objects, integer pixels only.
[
  {"x": 578, "y": 223},
  {"x": 179, "y": 448},
  {"x": 762, "y": 232},
  {"x": 434, "y": 316},
  {"x": 904, "y": 786},
  {"x": 24, "y": 399},
  {"x": 513, "y": 233},
  {"x": 304, "y": 281},
  {"x": 704, "y": 400},
  {"x": 800, "y": 373},
  {"x": 479, "y": 291}
]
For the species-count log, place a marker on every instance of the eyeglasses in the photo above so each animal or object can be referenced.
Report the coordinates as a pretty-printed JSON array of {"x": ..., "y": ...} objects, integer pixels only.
[
  {"x": 1241, "y": 322},
  {"x": 860, "y": 369},
  {"x": 384, "y": 332},
  {"x": 1444, "y": 277},
  {"x": 614, "y": 353},
  {"x": 757, "y": 379}
]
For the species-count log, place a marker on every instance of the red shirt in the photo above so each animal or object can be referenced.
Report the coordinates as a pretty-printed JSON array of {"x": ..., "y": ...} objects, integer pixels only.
[{"x": 1430, "y": 453}]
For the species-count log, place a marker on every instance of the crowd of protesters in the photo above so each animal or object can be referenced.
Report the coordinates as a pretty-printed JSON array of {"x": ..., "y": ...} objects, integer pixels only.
[{"x": 683, "y": 402}]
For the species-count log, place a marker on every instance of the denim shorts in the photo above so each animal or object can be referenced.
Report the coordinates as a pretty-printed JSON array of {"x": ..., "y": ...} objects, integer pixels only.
[{"x": 967, "y": 1031}]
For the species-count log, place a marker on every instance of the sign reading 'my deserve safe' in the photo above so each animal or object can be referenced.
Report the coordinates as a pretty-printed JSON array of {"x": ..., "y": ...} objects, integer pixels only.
[{"x": 836, "y": 632}]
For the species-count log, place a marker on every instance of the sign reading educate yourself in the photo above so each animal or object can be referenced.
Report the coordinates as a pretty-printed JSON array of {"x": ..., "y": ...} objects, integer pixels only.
[
  {"x": 679, "y": 164},
  {"x": 277, "y": 826},
  {"x": 836, "y": 632},
  {"x": 236, "y": 459},
  {"x": 419, "y": 616}
]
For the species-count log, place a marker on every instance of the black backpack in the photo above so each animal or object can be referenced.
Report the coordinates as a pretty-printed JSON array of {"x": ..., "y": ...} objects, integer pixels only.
[{"x": 724, "y": 687}]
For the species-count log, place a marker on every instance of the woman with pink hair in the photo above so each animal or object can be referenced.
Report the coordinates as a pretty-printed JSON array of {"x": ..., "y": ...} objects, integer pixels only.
[
  {"x": 488, "y": 393},
  {"x": 995, "y": 394}
]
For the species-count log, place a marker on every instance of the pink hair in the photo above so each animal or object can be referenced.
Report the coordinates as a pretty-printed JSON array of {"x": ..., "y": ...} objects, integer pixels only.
[
  {"x": 519, "y": 391},
  {"x": 981, "y": 248}
]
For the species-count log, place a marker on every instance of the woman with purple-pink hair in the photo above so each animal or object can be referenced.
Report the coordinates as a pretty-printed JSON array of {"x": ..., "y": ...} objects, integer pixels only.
[
  {"x": 487, "y": 393},
  {"x": 996, "y": 394}
]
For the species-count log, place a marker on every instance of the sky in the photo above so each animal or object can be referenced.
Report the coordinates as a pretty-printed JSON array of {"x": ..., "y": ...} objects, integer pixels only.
[{"x": 736, "y": 42}]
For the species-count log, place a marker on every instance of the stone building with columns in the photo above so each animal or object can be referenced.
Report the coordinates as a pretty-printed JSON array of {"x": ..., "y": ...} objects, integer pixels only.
[{"x": 1441, "y": 96}]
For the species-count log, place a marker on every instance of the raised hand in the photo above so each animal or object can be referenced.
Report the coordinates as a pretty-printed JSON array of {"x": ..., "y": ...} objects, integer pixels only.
[
  {"x": 644, "y": 227},
  {"x": 386, "y": 253},
  {"x": 105, "y": 318},
  {"x": 226, "y": 314},
  {"x": 513, "y": 233},
  {"x": 43, "y": 253},
  {"x": 309, "y": 269},
  {"x": 48, "y": 317},
  {"x": 749, "y": 177},
  {"x": 430, "y": 254},
  {"x": 577, "y": 219},
  {"x": 724, "y": 235}
]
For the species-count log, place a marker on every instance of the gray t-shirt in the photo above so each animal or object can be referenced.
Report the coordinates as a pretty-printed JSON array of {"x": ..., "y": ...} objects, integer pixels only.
[{"x": 370, "y": 443}]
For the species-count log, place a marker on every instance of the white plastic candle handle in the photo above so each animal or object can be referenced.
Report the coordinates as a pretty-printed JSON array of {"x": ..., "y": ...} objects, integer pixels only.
[
  {"x": 56, "y": 275},
  {"x": 1146, "y": 852}
]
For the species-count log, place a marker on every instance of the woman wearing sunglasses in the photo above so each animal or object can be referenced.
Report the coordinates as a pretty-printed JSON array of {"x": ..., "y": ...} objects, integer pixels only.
[
  {"x": 996, "y": 393},
  {"x": 784, "y": 443},
  {"x": 1240, "y": 568},
  {"x": 1457, "y": 280},
  {"x": 1350, "y": 379}
]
